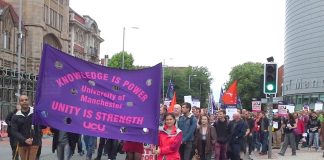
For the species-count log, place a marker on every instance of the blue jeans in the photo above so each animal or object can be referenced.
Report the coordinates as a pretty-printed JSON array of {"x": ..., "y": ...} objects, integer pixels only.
[
  {"x": 256, "y": 141},
  {"x": 90, "y": 143},
  {"x": 264, "y": 141},
  {"x": 313, "y": 138}
]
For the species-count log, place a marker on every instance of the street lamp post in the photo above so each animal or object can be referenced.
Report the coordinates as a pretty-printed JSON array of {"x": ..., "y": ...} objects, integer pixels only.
[
  {"x": 194, "y": 75},
  {"x": 163, "y": 74},
  {"x": 200, "y": 89},
  {"x": 123, "y": 57}
]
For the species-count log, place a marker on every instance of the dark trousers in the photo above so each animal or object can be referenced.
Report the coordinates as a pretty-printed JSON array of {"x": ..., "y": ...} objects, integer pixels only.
[
  {"x": 220, "y": 151},
  {"x": 13, "y": 144},
  {"x": 110, "y": 145},
  {"x": 264, "y": 141},
  {"x": 80, "y": 150},
  {"x": 256, "y": 140},
  {"x": 250, "y": 143},
  {"x": 112, "y": 148},
  {"x": 289, "y": 139},
  {"x": 185, "y": 151},
  {"x": 102, "y": 145},
  {"x": 297, "y": 139},
  {"x": 235, "y": 151}
]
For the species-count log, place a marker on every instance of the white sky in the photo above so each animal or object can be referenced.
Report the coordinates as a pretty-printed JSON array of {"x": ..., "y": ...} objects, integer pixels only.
[{"x": 218, "y": 34}]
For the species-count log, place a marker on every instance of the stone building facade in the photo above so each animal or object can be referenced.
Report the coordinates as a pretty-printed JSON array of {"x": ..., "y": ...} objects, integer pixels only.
[
  {"x": 43, "y": 21},
  {"x": 85, "y": 37},
  {"x": 46, "y": 21}
]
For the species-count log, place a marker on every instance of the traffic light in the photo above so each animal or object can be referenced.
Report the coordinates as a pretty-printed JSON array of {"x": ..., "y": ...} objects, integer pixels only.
[{"x": 270, "y": 78}]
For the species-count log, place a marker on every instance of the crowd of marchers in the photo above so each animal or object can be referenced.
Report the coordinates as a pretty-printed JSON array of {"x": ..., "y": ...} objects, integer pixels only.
[
  {"x": 220, "y": 137},
  {"x": 186, "y": 133}
]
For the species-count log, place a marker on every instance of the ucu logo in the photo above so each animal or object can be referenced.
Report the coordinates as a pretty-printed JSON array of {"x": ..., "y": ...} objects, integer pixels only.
[{"x": 94, "y": 126}]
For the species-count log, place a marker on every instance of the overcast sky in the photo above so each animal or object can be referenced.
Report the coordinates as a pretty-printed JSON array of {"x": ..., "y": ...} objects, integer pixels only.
[{"x": 218, "y": 34}]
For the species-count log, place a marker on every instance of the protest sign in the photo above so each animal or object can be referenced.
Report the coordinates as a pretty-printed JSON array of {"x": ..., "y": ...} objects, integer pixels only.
[
  {"x": 78, "y": 96},
  {"x": 256, "y": 106}
]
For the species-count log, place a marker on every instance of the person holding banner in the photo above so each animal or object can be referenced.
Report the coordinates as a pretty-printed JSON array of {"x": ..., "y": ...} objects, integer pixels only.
[
  {"x": 23, "y": 129},
  {"x": 170, "y": 138}
]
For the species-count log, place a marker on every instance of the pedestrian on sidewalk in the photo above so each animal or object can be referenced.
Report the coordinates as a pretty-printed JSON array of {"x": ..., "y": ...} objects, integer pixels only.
[
  {"x": 289, "y": 126},
  {"x": 25, "y": 131}
]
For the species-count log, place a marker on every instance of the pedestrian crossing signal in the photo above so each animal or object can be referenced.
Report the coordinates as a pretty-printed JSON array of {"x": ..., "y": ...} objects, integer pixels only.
[{"x": 270, "y": 78}]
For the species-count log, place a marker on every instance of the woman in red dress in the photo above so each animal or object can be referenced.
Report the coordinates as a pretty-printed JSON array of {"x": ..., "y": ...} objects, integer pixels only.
[
  {"x": 169, "y": 140},
  {"x": 134, "y": 150}
]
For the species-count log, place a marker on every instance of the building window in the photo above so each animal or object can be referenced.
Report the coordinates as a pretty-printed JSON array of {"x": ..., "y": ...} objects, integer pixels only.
[
  {"x": 322, "y": 97},
  {"x": 299, "y": 99},
  {"x": 60, "y": 22},
  {"x": 55, "y": 19},
  {"x": 314, "y": 98},
  {"x": 306, "y": 99},
  {"x": 45, "y": 14},
  {"x": 51, "y": 17},
  {"x": 6, "y": 40}
]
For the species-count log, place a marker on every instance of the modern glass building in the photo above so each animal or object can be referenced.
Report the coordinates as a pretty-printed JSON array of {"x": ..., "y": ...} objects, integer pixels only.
[{"x": 304, "y": 52}]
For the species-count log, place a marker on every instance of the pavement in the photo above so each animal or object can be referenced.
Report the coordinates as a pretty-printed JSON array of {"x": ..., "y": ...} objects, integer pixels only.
[
  {"x": 302, "y": 154},
  {"x": 5, "y": 151}
]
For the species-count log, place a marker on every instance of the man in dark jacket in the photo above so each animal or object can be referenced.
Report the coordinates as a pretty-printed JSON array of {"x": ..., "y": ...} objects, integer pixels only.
[
  {"x": 264, "y": 133},
  {"x": 222, "y": 132},
  {"x": 13, "y": 142},
  {"x": 237, "y": 129},
  {"x": 24, "y": 131}
]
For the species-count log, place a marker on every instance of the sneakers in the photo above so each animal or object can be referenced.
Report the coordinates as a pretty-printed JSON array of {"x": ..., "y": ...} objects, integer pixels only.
[{"x": 281, "y": 154}]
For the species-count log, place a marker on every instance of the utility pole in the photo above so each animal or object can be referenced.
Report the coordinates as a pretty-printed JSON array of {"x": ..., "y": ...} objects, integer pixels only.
[
  {"x": 19, "y": 50},
  {"x": 270, "y": 116}
]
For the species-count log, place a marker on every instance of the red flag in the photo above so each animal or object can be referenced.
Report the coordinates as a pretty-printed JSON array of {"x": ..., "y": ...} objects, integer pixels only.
[
  {"x": 173, "y": 102},
  {"x": 230, "y": 96}
]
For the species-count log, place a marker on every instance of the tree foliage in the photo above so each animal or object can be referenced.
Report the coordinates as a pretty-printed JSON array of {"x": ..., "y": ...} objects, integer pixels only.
[
  {"x": 199, "y": 87},
  {"x": 248, "y": 76},
  {"x": 116, "y": 60},
  {"x": 199, "y": 84}
]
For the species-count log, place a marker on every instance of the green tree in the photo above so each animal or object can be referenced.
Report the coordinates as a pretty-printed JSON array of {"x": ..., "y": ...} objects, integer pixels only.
[
  {"x": 248, "y": 76},
  {"x": 116, "y": 60},
  {"x": 199, "y": 84}
]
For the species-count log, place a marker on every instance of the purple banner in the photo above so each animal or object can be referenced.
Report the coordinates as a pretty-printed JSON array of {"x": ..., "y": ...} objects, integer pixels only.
[{"x": 81, "y": 97}]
